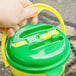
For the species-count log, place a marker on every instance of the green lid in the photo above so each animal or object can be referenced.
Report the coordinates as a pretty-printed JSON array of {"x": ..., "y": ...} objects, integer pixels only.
[{"x": 44, "y": 48}]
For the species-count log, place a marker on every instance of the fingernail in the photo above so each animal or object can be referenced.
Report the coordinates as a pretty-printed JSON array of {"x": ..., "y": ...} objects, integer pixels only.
[
  {"x": 35, "y": 9},
  {"x": 16, "y": 27},
  {"x": 24, "y": 23},
  {"x": 10, "y": 32},
  {"x": 30, "y": 3},
  {"x": 35, "y": 20}
]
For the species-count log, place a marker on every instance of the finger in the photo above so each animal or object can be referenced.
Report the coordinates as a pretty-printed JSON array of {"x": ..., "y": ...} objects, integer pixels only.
[
  {"x": 16, "y": 27},
  {"x": 26, "y": 3},
  {"x": 10, "y": 32},
  {"x": 29, "y": 12},
  {"x": 34, "y": 20},
  {"x": 24, "y": 22}
]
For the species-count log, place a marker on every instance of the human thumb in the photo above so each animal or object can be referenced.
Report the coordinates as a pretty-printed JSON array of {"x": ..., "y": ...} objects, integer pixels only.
[{"x": 29, "y": 12}]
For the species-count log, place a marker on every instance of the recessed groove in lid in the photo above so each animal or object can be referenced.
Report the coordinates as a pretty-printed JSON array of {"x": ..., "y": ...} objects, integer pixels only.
[{"x": 34, "y": 30}]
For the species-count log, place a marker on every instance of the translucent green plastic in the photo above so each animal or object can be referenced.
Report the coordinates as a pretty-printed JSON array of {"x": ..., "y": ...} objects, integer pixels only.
[{"x": 39, "y": 55}]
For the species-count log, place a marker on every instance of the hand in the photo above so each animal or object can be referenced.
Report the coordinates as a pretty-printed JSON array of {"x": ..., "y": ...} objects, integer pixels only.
[{"x": 13, "y": 15}]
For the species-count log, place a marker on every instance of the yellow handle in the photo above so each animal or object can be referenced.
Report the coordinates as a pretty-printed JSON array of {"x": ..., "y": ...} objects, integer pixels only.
[
  {"x": 51, "y": 9},
  {"x": 40, "y": 7},
  {"x": 2, "y": 48}
]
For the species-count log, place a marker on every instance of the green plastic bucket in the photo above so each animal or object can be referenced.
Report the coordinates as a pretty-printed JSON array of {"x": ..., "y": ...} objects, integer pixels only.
[{"x": 38, "y": 55}]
